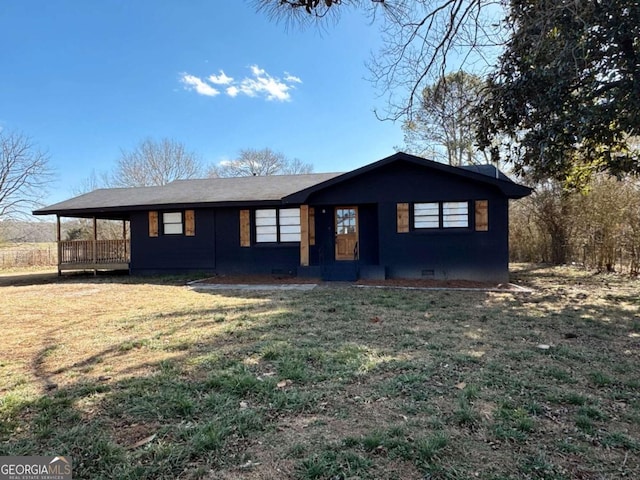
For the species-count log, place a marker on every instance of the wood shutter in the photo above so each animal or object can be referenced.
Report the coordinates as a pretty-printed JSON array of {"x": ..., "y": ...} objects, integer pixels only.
[
  {"x": 153, "y": 224},
  {"x": 245, "y": 228},
  {"x": 189, "y": 223},
  {"x": 312, "y": 226},
  {"x": 402, "y": 212},
  {"x": 482, "y": 215},
  {"x": 304, "y": 235}
]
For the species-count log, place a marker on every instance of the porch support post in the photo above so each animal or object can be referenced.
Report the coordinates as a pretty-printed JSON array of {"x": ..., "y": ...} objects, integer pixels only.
[
  {"x": 59, "y": 245},
  {"x": 95, "y": 245},
  {"x": 124, "y": 240},
  {"x": 304, "y": 235}
]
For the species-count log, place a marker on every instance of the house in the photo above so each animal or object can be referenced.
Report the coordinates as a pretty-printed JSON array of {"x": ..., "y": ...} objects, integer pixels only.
[{"x": 400, "y": 217}]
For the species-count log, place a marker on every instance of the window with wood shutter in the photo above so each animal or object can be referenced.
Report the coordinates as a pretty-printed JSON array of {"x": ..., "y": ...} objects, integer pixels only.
[
  {"x": 189, "y": 223},
  {"x": 439, "y": 215},
  {"x": 266, "y": 225},
  {"x": 278, "y": 225},
  {"x": 153, "y": 224},
  {"x": 172, "y": 223},
  {"x": 245, "y": 228},
  {"x": 402, "y": 220},
  {"x": 482, "y": 215}
]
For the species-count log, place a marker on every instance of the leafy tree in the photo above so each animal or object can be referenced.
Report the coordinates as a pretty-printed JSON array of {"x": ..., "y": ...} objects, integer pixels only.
[
  {"x": 251, "y": 162},
  {"x": 154, "y": 162},
  {"x": 24, "y": 175},
  {"x": 567, "y": 90},
  {"x": 442, "y": 127}
]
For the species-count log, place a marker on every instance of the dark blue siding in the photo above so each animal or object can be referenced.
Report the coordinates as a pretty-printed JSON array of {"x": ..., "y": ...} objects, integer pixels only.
[
  {"x": 215, "y": 248},
  {"x": 173, "y": 253},
  {"x": 438, "y": 254},
  {"x": 447, "y": 254},
  {"x": 323, "y": 252},
  {"x": 261, "y": 259}
]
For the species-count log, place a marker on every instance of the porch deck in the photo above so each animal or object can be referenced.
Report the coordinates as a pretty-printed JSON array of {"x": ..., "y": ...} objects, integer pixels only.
[{"x": 93, "y": 255}]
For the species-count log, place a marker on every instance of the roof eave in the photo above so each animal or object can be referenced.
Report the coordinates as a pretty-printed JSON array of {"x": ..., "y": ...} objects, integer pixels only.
[{"x": 126, "y": 209}]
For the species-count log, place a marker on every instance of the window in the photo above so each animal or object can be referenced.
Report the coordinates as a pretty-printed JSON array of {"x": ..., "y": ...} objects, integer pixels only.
[
  {"x": 289, "y": 225},
  {"x": 172, "y": 223},
  {"x": 266, "y": 226},
  {"x": 455, "y": 214},
  {"x": 426, "y": 215},
  {"x": 278, "y": 225},
  {"x": 435, "y": 215}
]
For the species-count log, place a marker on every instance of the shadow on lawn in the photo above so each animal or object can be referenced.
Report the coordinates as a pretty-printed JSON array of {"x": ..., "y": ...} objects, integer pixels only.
[
  {"x": 389, "y": 364},
  {"x": 23, "y": 279}
]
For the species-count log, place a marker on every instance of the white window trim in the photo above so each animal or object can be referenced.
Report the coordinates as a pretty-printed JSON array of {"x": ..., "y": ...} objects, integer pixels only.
[
  {"x": 172, "y": 223},
  {"x": 426, "y": 215},
  {"x": 266, "y": 220},
  {"x": 440, "y": 215},
  {"x": 455, "y": 214},
  {"x": 278, "y": 225}
]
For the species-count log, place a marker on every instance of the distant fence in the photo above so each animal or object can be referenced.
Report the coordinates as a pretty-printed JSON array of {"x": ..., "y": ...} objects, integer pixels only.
[{"x": 30, "y": 255}]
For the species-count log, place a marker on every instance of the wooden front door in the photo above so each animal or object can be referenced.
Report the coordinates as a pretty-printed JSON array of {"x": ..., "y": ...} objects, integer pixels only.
[{"x": 346, "y": 233}]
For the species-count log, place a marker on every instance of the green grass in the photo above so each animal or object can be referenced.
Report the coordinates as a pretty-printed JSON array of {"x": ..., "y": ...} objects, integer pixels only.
[
  {"x": 332, "y": 464},
  {"x": 143, "y": 378}
]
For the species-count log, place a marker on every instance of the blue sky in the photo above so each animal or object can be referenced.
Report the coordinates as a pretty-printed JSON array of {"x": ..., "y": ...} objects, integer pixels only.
[{"x": 85, "y": 79}]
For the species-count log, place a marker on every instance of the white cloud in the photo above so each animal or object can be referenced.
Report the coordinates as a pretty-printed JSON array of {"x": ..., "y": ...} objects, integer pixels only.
[
  {"x": 221, "y": 79},
  {"x": 263, "y": 83},
  {"x": 200, "y": 86},
  {"x": 257, "y": 71},
  {"x": 292, "y": 78},
  {"x": 258, "y": 84}
]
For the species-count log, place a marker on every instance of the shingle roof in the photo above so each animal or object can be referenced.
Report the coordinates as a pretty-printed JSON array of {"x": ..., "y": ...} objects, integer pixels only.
[
  {"x": 200, "y": 191},
  {"x": 117, "y": 202}
]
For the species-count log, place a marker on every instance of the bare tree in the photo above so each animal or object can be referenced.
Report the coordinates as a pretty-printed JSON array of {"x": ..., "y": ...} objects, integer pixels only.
[
  {"x": 296, "y": 166},
  {"x": 93, "y": 182},
  {"x": 154, "y": 162},
  {"x": 422, "y": 40},
  {"x": 251, "y": 162},
  {"x": 24, "y": 175},
  {"x": 150, "y": 163}
]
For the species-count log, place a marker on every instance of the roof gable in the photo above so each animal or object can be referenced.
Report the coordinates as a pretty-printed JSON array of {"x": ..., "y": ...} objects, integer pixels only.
[{"x": 478, "y": 173}]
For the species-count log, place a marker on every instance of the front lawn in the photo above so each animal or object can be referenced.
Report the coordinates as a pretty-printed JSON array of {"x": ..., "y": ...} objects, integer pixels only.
[{"x": 145, "y": 378}]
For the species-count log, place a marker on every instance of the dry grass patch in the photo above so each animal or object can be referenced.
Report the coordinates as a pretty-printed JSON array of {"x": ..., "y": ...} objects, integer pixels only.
[{"x": 139, "y": 379}]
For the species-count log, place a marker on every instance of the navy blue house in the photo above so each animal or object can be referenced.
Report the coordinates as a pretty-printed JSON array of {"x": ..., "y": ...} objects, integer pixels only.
[{"x": 400, "y": 217}]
